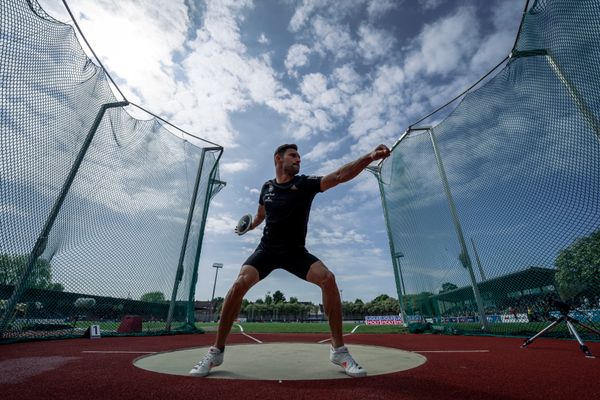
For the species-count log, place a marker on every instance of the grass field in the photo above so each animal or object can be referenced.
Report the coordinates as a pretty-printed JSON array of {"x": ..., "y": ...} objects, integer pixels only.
[
  {"x": 510, "y": 329},
  {"x": 305, "y": 327},
  {"x": 257, "y": 327}
]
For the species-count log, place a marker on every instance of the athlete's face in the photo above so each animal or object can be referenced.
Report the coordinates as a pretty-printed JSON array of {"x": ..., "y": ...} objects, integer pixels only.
[{"x": 291, "y": 162}]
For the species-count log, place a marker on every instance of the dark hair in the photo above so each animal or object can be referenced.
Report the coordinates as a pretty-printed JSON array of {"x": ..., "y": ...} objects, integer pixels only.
[{"x": 281, "y": 149}]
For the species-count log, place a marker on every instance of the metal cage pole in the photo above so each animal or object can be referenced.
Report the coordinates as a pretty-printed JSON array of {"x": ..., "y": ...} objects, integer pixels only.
[
  {"x": 461, "y": 239},
  {"x": 190, "y": 319},
  {"x": 376, "y": 171},
  {"x": 582, "y": 107},
  {"x": 186, "y": 234},
  {"x": 42, "y": 240}
]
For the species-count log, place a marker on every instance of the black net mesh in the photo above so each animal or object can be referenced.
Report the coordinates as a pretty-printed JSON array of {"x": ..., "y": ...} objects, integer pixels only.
[
  {"x": 115, "y": 242},
  {"x": 517, "y": 226}
]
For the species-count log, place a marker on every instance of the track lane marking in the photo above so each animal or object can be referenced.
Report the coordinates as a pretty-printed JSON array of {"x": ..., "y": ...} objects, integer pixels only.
[
  {"x": 245, "y": 334},
  {"x": 117, "y": 352},
  {"x": 346, "y": 334},
  {"x": 450, "y": 351}
]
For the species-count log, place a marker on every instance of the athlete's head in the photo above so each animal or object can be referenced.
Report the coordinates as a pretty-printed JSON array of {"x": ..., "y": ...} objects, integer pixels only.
[{"x": 288, "y": 157}]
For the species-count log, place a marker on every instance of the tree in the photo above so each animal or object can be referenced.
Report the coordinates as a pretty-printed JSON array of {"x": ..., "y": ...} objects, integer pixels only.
[
  {"x": 381, "y": 297},
  {"x": 153, "y": 297},
  {"x": 12, "y": 267},
  {"x": 218, "y": 303},
  {"x": 268, "y": 299},
  {"x": 446, "y": 287},
  {"x": 578, "y": 266},
  {"x": 293, "y": 300},
  {"x": 278, "y": 297}
]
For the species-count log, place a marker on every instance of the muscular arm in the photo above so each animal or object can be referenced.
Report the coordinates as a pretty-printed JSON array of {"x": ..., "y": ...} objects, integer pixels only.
[
  {"x": 259, "y": 217},
  {"x": 352, "y": 169}
]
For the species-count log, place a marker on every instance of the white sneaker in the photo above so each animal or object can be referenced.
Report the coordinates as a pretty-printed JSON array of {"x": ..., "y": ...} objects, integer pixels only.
[
  {"x": 213, "y": 358},
  {"x": 341, "y": 356}
]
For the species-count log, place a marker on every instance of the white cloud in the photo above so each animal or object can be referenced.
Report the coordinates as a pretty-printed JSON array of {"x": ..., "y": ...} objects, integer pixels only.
[
  {"x": 507, "y": 15},
  {"x": 443, "y": 47},
  {"x": 378, "y": 8},
  {"x": 498, "y": 44},
  {"x": 263, "y": 39},
  {"x": 236, "y": 166},
  {"x": 302, "y": 14},
  {"x": 347, "y": 79},
  {"x": 313, "y": 85},
  {"x": 337, "y": 237},
  {"x": 430, "y": 4},
  {"x": 222, "y": 78},
  {"x": 332, "y": 38},
  {"x": 221, "y": 224},
  {"x": 297, "y": 56},
  {"x": 321, "y": 149},
  {"x": 136, "y": 54},
  {"x": 374, "y": 43}
]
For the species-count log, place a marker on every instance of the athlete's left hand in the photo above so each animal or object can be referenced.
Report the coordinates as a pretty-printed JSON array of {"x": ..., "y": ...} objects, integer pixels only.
[{"x": 380, "y": 152}]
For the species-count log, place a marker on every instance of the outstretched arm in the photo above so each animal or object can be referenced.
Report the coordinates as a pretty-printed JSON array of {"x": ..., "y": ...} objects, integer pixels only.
[{"x": 352, "y": 169}]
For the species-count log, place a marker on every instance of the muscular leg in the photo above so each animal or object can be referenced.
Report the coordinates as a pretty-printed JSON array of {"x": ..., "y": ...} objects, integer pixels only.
[
  {"x": 322, "y": 277},
  {"x": 247, "y": 278}
]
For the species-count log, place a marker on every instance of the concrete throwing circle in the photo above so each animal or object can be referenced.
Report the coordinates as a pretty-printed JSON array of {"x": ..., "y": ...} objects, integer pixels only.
[{"x": 282, "y": 361}]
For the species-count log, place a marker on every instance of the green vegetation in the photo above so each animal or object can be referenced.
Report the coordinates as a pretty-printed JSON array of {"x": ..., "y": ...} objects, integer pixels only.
[
  {"x": 446, "y": 287},
  {"x": 12, "y": 267},
  {"x": 304, "y": 327},
  {"x": 153, "y": 297},
  {"x": 578, "y": 267}
]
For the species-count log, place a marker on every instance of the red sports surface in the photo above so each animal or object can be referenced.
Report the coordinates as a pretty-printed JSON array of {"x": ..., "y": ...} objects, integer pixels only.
[{"x": 457, "y": 367}]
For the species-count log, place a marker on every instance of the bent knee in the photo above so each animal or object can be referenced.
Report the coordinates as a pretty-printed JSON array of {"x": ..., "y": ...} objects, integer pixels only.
[
  {"x": 327, "y": 281},
  {"x": 239, "y": 288},
  {"x": 242, "y": 284}
]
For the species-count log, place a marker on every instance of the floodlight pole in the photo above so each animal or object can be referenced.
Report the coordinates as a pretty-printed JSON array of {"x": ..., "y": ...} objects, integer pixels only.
[
  {"x": 216, "y": 266},
  {"x": 398, "y": 256},
  {"x": 483, "y": 278},
  {"x": 461, "y": 239},
  {"x": 42, "y": 240}
]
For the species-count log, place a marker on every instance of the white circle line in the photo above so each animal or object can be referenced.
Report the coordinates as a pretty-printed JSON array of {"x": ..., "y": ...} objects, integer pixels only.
[
  {"x": 118, "y": 352},
  {"x": 450, "y": 351}
]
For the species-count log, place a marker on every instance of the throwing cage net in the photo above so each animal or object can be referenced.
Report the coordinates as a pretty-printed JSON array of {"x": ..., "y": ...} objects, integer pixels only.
[
  {"x": 493, "y": 214},
  {"x": 101, "y": 215}
]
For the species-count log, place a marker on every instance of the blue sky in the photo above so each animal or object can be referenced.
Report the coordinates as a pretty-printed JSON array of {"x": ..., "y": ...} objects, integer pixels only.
[{"x": 335, "y": 77}]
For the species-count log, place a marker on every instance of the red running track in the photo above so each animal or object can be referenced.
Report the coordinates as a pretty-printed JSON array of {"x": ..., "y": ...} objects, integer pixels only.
[{"x": 69, "y": 369}]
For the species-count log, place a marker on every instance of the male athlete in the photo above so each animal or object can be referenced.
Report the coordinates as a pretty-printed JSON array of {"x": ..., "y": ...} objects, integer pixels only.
[{"x": 285, "y": 203}]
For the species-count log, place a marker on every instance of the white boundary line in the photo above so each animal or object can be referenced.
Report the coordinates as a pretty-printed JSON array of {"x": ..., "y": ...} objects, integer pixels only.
[
  {"x": 450, "y": 351},
  {"x": 245, "y": 334},
  {"x": 117, "y": 352},
  {"x": 353, "y": 330}
]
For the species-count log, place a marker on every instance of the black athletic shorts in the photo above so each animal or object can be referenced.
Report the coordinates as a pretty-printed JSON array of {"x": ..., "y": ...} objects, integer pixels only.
[{"x": 297, "y": 262}]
